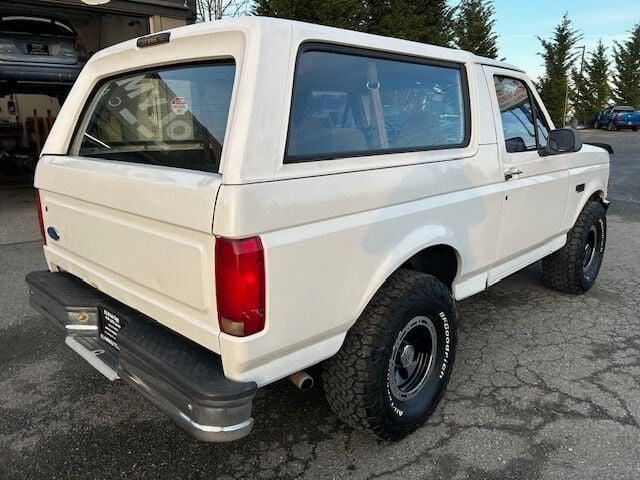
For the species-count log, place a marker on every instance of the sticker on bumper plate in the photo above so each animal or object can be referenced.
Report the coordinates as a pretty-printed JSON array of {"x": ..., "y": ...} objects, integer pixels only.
[{"x": 110, "y": 326}]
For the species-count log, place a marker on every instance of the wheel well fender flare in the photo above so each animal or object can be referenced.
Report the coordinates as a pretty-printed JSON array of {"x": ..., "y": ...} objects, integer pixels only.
[
  {"x": 595, "y": 191},
  {"x": 416, "y": 241}
]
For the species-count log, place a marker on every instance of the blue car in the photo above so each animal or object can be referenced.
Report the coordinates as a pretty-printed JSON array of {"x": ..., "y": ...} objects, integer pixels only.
[
  {"x": 619, "y": 117},
  {"x": 627, "y": 120}
]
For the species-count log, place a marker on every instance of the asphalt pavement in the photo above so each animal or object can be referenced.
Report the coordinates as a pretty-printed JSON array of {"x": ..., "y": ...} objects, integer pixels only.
[{"x": 546, "y": 385}]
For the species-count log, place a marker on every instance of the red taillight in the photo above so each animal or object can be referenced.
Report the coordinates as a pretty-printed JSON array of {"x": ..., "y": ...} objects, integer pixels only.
[
  {"x": 240, "y": 285},
  {"x": 40, "y": 220}
]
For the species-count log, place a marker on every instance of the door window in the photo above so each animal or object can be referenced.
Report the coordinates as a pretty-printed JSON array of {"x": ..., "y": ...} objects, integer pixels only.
[
  {"x": 541, "y": 125},
  {"x": 523, "y": 124}
]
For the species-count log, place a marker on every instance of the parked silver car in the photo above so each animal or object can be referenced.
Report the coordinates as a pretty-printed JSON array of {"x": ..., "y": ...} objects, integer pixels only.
[{"x": 39, "y": 52}]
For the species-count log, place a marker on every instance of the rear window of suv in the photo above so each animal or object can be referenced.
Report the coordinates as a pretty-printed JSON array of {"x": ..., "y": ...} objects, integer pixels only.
[
  {"x": 35, "y": 25},
  {"x": 172, "y": 117}
]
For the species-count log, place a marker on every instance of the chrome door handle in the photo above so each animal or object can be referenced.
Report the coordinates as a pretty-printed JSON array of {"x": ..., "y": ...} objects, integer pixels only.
[{"x": 509, "y": 174}]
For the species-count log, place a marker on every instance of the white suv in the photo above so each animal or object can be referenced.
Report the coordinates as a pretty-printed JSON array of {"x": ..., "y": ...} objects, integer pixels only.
[{"x": 226, "y": 204}]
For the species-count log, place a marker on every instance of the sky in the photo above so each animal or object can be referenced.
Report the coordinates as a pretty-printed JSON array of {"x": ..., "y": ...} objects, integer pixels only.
[{"x": 519, "y": 21}]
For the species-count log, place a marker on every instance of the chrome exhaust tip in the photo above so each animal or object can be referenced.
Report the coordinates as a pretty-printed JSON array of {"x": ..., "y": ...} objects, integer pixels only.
[{"x": 302, "y": 380}]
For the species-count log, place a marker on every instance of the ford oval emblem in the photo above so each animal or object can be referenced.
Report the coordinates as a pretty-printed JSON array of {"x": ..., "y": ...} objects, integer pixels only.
[{"x": 53, "y": 233}]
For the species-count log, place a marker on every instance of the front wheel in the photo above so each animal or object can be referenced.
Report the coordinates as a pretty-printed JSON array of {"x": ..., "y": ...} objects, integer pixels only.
[
  {"x": 396, "y": 361},
  {"x": 574, "y": 268}
]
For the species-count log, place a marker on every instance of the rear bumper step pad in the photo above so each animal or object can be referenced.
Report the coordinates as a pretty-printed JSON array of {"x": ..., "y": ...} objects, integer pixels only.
[
  {"x": 183, "y": 379},
  {"x": 66, "y": 301}
]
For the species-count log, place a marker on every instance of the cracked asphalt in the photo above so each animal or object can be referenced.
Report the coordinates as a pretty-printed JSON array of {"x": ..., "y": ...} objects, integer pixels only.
[{"x": 546, "y": 385}]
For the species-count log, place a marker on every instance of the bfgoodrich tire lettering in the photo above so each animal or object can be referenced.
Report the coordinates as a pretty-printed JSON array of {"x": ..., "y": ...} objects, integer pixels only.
[
  {"x": 396, "y": 361},
  {"x": 574, "y": 268}
]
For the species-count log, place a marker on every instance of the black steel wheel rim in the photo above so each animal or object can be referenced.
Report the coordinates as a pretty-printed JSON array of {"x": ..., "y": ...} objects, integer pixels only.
[
  {"x": 413, "y": 357},
  {"x": 592, "y": 246}
]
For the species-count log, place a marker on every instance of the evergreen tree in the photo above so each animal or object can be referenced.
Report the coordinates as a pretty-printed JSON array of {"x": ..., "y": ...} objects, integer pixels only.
[
  {"x": 592, "y": 89},
  {"x": 427, "y": 21},
  {"x": 350, "y": 14},
  {"x": 558, "y": 58},
  {"x": 627, "y": 59},
  {"x": 473, "y": 28}
]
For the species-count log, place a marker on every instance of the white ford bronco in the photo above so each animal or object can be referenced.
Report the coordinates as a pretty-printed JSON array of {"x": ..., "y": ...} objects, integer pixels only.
[{"x": 227, "y": 204}]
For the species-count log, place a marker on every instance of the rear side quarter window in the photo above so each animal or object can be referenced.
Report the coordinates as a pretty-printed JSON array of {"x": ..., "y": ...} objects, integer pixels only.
[{"x": 352, "y": 102}]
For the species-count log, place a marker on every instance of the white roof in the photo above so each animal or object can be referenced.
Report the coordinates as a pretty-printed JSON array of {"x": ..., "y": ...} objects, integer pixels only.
[{"x": 301, "y": 31}]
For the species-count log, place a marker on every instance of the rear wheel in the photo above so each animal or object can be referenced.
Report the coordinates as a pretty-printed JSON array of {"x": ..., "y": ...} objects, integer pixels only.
[
  {"x": 574, "y": 268},
  {"x": 396, "y": 361}
]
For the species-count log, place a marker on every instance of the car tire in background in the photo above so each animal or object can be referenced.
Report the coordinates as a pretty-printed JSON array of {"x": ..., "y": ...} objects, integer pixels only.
[{"x": 396, "y": 361}]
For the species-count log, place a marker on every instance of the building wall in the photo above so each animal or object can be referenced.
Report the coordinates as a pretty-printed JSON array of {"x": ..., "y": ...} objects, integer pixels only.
[
  {"x": 100, "y": 30},
  {"x": 158, "y": 23}
]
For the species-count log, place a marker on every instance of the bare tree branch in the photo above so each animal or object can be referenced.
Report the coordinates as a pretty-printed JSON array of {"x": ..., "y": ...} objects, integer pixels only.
[{"x": 207, "y": 10}]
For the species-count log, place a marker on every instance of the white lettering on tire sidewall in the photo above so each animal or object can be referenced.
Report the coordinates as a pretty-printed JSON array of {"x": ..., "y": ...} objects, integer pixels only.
[
  {"x": 447, "y": 345},
  {"x": 604, "y": 234}
]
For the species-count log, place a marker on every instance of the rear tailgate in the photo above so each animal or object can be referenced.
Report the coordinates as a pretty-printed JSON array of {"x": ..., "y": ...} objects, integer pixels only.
[
  {"x": 140, "y": 234},
  {"x": 129, "y": 208}
]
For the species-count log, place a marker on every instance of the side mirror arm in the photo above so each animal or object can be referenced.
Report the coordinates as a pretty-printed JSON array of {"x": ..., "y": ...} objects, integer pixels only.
[{"x": 542, "y": 151}]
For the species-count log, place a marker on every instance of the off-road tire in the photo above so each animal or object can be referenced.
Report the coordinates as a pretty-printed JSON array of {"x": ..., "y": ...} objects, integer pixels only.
[
  {"x": 357, "y": 380},
  {"x": 563, "y": 270}
]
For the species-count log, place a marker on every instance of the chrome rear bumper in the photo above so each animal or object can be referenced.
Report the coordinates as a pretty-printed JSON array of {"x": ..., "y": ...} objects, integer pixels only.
[{"x": 183, "y": 379}]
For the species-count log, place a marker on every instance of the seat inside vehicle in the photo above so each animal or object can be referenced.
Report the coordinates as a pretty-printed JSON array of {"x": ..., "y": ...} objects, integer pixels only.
[{"x": 317, "y": 135}]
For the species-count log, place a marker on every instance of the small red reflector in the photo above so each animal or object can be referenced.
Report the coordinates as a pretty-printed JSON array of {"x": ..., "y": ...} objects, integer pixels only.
[
  {"x": 240, "y": 285},
  {"x": 40, "y": 219}
]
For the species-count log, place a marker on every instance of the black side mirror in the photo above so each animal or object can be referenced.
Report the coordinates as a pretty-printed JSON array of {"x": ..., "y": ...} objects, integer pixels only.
[{"x": 563, "y": 140}]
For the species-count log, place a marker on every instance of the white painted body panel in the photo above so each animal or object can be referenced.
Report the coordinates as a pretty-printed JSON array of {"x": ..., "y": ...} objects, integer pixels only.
[{"x": 333, "y": 231}]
